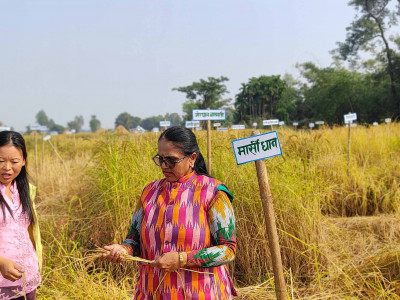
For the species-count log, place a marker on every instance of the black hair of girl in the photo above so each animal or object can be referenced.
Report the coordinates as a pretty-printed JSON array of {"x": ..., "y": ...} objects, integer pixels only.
[
  {"x": 15, "y": 139},
  {"x": 186, "y": 141}
]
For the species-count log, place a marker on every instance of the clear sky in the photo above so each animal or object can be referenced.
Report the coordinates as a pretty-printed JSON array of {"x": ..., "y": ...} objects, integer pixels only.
[{"x": 99, "y": 57}]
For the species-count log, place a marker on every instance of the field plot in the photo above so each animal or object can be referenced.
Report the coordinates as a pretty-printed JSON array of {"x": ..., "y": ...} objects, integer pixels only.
[{"x": 338, "y": 220}]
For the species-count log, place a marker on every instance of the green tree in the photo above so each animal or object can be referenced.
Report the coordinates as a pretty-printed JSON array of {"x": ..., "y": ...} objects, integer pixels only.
[
  {"x": 261, "y": 98},
  {"x": 175, "y": 118},
  {"x": 41, "y": 118},
  {"x": 127, "y": 120},
  {"x": 94, "y": 123},
  {"x": 76, "y": 124},
  {"x": 372, "y": 23},
  {"x": 204, "y": 94},
  {"x": 150, "y": 122},
  {"x": 55, "y": 127}
]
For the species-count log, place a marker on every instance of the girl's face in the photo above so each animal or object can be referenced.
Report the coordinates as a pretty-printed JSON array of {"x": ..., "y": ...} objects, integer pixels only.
[
  {"x": 167, "y": 150},
  {"x": 11, "y": 163}
]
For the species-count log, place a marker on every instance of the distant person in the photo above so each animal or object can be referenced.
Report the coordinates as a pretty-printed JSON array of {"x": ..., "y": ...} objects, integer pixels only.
[
  {"x": 20, "y": 247},
  {"x": 184, "y": 220}
]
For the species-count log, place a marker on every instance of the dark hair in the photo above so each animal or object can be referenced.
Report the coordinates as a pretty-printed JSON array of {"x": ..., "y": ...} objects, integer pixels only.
[
  {"x": 185, "y": 140},
  {"x": 15, "y": 139}
]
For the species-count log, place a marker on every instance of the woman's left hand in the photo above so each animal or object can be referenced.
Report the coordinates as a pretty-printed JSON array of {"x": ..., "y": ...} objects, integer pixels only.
[{"x": 167, "y": 262}]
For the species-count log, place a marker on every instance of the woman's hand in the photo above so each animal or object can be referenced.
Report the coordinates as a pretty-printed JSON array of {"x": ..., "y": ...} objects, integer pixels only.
[
  {"x": 116, "y": 250},
  {"x": 169, "y": 261},
  {"x": 10, "y": 270}
]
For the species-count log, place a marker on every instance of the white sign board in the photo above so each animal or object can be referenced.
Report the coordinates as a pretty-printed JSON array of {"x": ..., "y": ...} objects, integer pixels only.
[
  {"x": 295, "y": 123},
  {"x": 217, "y": 124},
  {"x": 256, "y": 147},
  {"x": 350, "y": 117},
  {"x": 281, "y": 123},
  {"x": 192, "y": 124},
  {"x": 254, "y": 124},
  {"x": 165, "y": 123},
  {"x": 5, "y": 128},
  {"x": 156, "y": 129},
  {"x": 375, "y": 123},
  {"x": 222, "y": 129},
  {"x": 311, "y": 125},
  {"x": 388, "y": 120},
  {"x": 53, "y": 132},
  {"x": 270, "y": 122},
  {"x": 35, "y": 127},
  {"x": 208, "y": 114},
  {"x": 47, "y": 137},
  {"x": 320, "y": 122},
  {"x": 238, "y": 127}
]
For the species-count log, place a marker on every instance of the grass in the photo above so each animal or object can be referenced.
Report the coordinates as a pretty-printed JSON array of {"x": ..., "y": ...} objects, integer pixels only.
[{"x": 337, "y": 219}]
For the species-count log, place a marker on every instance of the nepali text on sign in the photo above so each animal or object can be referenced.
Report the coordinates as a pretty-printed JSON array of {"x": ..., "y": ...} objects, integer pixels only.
[
  {"x": 192, "y": 124},
  {"x": 350, "y": 117},
  {"x": 238, "y": 127},
  {"x": 208, "y": 114},
  {"x": 256, "y": 147},
  {"x": 165, "y": 123},
  {"x": 271, "y": 122}
]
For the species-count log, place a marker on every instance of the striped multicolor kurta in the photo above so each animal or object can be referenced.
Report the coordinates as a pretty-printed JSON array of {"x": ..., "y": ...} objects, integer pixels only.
[{"x": 193, "y": 215}]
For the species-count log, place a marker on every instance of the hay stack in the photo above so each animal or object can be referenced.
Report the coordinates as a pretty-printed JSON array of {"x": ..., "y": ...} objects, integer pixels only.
[
  {"x": 101, "y": 130},
  {"x": 121, "y": 130}
]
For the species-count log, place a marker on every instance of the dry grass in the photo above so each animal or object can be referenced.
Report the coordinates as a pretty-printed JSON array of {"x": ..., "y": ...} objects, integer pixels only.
[{"x": 338, "y": 223}]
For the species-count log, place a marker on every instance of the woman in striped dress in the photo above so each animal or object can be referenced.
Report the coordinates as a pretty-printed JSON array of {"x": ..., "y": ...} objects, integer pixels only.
[{"x": 184, "y": 224}]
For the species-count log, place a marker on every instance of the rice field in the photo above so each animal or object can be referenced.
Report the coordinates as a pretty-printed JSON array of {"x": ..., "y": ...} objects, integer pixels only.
[{"x": 338, "y": 219}]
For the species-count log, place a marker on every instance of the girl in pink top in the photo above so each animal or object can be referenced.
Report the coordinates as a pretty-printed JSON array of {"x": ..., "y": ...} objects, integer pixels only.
[{"x": 18, "y": 256}]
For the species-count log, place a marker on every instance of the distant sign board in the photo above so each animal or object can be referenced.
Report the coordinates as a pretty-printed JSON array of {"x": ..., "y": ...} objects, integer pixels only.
[
  {"x": 156, "y": 129},
  {"x": 281, "y": 123},
  {"x": 238, "y": 127},
  {"x": 311, "y": 125},
  {"x": 222, "y": 129},
  {"x": 192, "y": 124},
  {"x": 388, "y": 120},
  {"x": 254, "y": 124},
  {"x": 5, "y": 128},
  {"x": 319, "y": 122},
  {"x": 271, "y": 122},
  {"x": 375, "y": 123},
  {"x": 208, "y": 114},
  {"x": 217, "y": 124},
  {"x": 165, "y": 123},
  {"x": 350, "y": 117},
  {"x": 256, "y": 147},
  {"x": 295, "y": 123},
  {"x": 46, "y": 138}
]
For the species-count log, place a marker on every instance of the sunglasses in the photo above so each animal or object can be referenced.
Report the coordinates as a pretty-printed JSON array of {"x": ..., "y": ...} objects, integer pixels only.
[{"x": 170, "y": 163}]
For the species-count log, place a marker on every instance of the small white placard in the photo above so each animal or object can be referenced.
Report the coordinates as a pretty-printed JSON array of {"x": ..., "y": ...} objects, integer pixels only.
[
  {"x": 217, "y": 124},
  {"x": 281, "y": 123},
  {"x": 311, "y": 125},
  {"x": 350, "y": 117},
  {"x": 238, "y": 127},
  {"x": 192, "y": 124},
  {"x": 319, "y": 122},
  {"x": 165, "y": 123},
  {"x": 222, "y": 129},
  {"x": 256, "y": 147},
  {"x": 270, "y": 122},
  {"x": 295, "y": 123},
  {"x": 35, "y": 127},
  {"x": 208, "y": 114},
  {"x": 254, "y": 124},
  {"x": 375, "y": 123},
  {"x": 156, "y": 129},
  {"x": 388, "y": 120},
  {"x": 47, "y": 137}
]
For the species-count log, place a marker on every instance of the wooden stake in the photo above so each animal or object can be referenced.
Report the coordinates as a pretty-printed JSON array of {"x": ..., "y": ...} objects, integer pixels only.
[
  {"x": 209, "y": 146},
  {"x": 348, "y": 150},
  {"x": 269, "y": 215},
  {"x": 36, "y": 162}
]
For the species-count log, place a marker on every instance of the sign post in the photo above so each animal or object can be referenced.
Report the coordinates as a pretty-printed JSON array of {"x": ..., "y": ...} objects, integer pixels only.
[
  {"x": 348, "y": 119},
  {"x": 256, "y": 148},
  {"x": 208, "y": 115}
]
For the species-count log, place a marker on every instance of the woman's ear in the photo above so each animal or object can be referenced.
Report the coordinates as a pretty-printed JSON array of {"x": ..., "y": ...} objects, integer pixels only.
[{"x": 192, "y": 159}]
